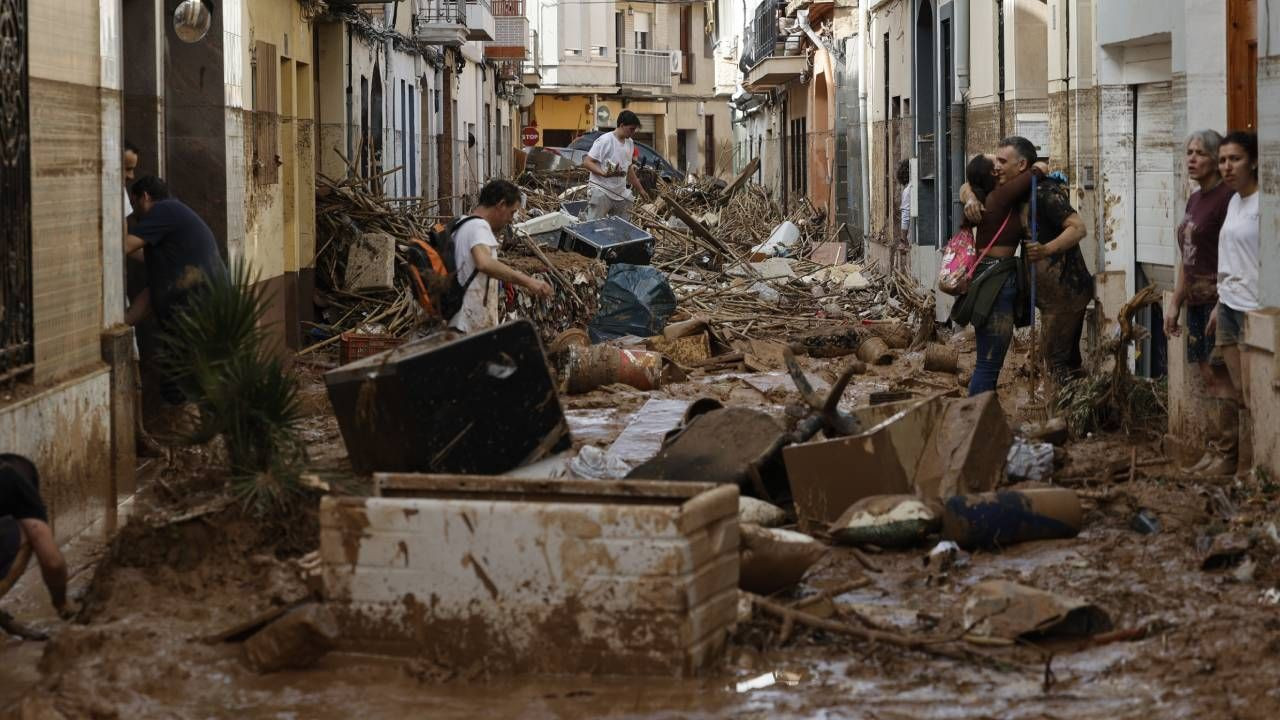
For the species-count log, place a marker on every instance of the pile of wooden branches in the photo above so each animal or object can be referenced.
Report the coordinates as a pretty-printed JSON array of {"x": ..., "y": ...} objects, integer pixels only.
[
  {"x": 347, "y": 209},
  {"x": 705, "y": 233},
  {"x": 1110, "y": 398}
]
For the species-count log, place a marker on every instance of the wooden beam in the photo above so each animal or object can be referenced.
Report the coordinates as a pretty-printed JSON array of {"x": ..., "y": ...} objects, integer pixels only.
[
  {"x": 741, "y": 180},
  {"x": 696, "y": 227}
]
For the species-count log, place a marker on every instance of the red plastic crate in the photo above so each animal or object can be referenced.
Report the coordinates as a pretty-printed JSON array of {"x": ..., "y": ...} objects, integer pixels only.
[{"x": 354, "y": 346}]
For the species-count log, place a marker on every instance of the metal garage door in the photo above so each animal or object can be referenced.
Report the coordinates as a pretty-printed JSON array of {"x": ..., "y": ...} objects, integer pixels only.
[{"x": 1155, "y": 176}]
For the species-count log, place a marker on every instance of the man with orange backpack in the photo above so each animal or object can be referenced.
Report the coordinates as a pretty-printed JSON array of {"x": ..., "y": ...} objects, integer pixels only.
[{"x": 455, "y": 273}]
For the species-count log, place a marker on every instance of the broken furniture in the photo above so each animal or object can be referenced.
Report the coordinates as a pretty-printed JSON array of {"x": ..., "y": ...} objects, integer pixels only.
[
  {"x": 548, "y": 576},
  {"x": 610, "y": 239},
  {"x": 933, "y": 448},
  {"x": 481, "y": 403}
]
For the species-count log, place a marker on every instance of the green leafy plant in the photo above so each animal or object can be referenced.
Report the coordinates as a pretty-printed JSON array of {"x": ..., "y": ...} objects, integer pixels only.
[{"x": 216, "y": 352}]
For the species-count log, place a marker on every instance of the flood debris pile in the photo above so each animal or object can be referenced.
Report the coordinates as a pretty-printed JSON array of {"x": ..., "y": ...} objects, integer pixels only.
[{"x": 365, "y": 284}]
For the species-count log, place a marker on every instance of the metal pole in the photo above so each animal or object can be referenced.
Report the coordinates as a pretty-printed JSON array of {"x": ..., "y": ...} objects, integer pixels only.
[{"x": 1031, "y": 270}]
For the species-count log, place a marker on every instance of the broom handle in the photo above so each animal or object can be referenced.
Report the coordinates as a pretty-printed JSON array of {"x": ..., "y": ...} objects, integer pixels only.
[{"x": 1035, "y": 238}]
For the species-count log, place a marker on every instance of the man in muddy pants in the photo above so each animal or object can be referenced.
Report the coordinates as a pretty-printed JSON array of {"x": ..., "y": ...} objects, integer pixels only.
[{"x": 24, "y": 530}]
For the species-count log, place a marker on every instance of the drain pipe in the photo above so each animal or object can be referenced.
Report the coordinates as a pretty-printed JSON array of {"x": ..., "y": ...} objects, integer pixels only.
[
  {"x": 864, "y": 130},
  {"x": 959, "y": 108}
]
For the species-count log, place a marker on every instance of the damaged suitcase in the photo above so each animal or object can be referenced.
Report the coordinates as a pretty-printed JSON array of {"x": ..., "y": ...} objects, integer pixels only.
[{"x": 480, "y": 404}]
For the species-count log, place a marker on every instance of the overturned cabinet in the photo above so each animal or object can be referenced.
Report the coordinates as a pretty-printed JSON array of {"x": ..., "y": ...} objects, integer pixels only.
[{"x": 625, "y": 578}]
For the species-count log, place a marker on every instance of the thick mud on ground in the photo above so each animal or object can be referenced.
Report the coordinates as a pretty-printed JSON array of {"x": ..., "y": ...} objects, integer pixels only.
[{"x": 1191, "y": 643}]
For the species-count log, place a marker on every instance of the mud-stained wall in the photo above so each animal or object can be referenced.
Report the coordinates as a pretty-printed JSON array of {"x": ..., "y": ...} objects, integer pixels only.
[
  {"x": 983, "y": 128},
  {"x": 894, "y": 138},
  {"x": 65, "y": 430}
]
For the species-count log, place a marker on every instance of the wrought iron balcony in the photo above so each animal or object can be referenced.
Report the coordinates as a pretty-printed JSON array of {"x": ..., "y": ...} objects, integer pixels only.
[
  {"x": 480, "y": 23},
  {"x": 770, "y": 58},
  {"x": 645, "y": 68},
  {"x": 441, "y": 22}
]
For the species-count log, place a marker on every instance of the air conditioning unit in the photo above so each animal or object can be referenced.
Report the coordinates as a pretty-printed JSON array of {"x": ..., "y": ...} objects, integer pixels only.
[{"x": 677, "y": 62}]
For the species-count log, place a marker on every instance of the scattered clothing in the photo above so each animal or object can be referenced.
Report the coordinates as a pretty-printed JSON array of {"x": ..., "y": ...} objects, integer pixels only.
[
  {"x": 1238, "y": 258},
  {"x": 480, "y": 303}
]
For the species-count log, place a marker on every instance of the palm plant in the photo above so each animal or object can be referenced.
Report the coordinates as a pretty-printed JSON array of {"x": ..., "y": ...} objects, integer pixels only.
[{"x": 216, "y": 352}]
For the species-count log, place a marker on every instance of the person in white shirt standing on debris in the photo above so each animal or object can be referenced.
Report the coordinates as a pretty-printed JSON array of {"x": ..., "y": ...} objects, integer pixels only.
[
  {"x": 476, "y": 258},
  {"x": 611, "y": 164}
]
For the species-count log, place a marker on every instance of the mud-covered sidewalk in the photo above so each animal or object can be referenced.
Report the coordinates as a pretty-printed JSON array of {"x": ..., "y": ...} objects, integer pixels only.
[{"x": 1186, "y": 641}]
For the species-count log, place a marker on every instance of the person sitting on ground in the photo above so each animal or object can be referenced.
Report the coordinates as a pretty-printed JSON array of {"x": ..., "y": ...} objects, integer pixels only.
[
  {"x": 1196, "y": 285},
  {"x": 1239, "y": 292},
  {"x": 993, "y": 303},
  {"x": 476, "y": 258},
  {"x": 24, "y": 530},
  {"x": 611, "y": 163},
  {"x": 1064, "y": 285}
]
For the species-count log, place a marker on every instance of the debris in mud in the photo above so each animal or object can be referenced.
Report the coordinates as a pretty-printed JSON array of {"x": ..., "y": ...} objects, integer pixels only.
[
  {"x": 773, "y": 559},
  {"x": 482, "y": 403},
  {"x": 1029, "y": 461},
  {"x": 295, "y": 641},
  {"x": 1225, "y": 550},
  {"x": 1008, "y": 517},
  {"x": 1008, "y": 610},
  {"x": 887, "y": 521},
  {"x": 874, "y": 351},
  {"x": 753, "y": 511}
]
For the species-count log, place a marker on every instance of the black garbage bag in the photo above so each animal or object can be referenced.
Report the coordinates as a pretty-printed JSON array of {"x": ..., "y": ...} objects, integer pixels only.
[{"x": 635, "y": 300}]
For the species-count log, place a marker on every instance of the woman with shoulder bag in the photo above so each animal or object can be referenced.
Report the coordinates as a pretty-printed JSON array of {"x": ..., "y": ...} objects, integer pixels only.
[{"x": 992, "y": 285}]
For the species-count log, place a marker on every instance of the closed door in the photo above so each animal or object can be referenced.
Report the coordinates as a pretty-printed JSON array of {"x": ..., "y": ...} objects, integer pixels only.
[{"x": 1155, "y": 175}]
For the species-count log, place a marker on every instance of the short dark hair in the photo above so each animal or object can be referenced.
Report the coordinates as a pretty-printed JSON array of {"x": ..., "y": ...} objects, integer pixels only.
[
  {"x": 628, "y": 118},
  {"x": 1246, "y": 140},
  {"x": 23, "y": 466},
  {"x": 151, "y": 185},
  {"x": 497, "y": 192},
  {"x": 130, "y": 147},
  {"x": 1023, "y": 146},
  {"x": 979, "y": 175},
  {"x": 904, "y": 172}
]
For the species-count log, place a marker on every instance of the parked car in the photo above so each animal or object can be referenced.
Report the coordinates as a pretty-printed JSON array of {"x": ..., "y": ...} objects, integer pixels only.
[
  {"x": 649, "y": 158},
  {"x": 548, "y": 159}
]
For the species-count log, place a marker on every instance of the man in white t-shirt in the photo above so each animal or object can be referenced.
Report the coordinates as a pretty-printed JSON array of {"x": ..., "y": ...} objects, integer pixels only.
[
  {"x": 476, "y": 258},
  {"x": 610, "y": 161}
]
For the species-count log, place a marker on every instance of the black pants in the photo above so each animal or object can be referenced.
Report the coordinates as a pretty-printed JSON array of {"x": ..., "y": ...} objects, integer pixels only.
[
  {"x": 10, "y": 542},
  {"x": 1062, "y": 333}
]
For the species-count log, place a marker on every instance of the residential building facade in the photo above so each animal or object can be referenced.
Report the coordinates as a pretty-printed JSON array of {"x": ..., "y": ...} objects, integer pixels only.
[{"x": 657, "y": 59}]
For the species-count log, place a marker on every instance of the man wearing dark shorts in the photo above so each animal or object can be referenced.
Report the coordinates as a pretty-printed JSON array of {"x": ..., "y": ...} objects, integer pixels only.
[
  {"x": 24, "y": 530},
  {"x": 180, "y": 253}
]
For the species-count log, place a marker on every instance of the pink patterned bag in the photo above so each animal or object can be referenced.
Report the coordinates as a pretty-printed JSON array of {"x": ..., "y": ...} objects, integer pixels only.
[{"x": 960, "y": 259}]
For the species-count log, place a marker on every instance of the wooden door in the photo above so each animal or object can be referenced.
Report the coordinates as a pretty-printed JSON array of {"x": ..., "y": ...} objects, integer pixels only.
[{"x": 1242, "y": 65}]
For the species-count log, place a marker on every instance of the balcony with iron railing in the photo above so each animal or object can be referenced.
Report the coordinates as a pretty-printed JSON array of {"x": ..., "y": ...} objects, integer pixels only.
[
  {"x": 454, "y": 22},
  {"x": 640, "y": 69},
  {"x": 770, "y": 58},
  {"x": 511, "y": 31}
]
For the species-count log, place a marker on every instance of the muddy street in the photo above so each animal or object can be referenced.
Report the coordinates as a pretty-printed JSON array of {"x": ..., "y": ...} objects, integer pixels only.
[{"x": 1183, "y": 641}]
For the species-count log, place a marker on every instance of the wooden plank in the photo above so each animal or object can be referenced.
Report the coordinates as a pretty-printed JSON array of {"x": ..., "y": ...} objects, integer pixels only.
[
  {"x": 698, "y": 228},
  {"x": 741, "y": 180},
  {"x": 557, "y": 490}
]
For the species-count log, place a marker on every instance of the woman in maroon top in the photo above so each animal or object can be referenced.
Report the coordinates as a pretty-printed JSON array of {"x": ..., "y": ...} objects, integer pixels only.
[{"x": 1197, "y": 282}]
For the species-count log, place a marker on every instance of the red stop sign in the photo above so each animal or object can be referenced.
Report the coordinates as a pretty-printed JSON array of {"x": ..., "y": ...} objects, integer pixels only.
[{"x": 529, "y": 134}]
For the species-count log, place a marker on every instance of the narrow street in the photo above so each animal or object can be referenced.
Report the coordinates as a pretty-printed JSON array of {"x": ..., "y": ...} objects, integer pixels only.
[{"x": 673, "y": 359}]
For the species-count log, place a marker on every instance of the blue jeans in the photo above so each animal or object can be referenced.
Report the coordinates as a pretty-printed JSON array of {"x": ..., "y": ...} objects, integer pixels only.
[{"x": 993, "y": 338}]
